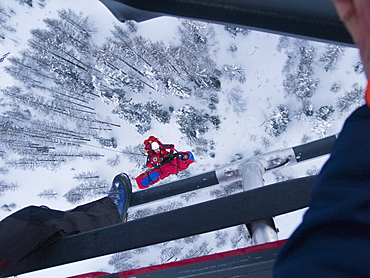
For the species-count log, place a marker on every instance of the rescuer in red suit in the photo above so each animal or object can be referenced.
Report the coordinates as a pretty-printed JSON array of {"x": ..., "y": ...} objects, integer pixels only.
[{"x": 158, "y": 153}]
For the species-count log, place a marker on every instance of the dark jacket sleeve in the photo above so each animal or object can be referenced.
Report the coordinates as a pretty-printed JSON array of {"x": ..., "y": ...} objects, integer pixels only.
[
  {"x": 169, "y": 147},
  {"x": 333, "y": 239}
]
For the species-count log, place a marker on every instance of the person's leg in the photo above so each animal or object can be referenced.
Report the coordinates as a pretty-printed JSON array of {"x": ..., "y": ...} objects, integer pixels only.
[
  {"x": 104, "y": 212},
  {"x": 34, "y": 228},
  {"x": 97, "y": 214},
  {"x": 94, "y": 215},
  {"x": 23, "y": 231}
]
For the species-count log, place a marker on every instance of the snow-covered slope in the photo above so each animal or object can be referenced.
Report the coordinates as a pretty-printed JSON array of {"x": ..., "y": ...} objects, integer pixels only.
[{"x": 262, "y": 77}]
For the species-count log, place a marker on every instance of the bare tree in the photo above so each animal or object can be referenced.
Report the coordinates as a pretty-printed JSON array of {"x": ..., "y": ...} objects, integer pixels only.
[
  {"x": 48, "y": 194},
  {"x": 122, "y": 261},
  {"x": 169, "y": 254},
  {"x": 240, "y": 237},
  {"x": 5, "y": 186},
  {"x": 197, "y": 251},
  {"x": 88, "y": 188}
]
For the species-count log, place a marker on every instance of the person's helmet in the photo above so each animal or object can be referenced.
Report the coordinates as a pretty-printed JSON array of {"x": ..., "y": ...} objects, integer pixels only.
[{"x": 155, "y": 146}]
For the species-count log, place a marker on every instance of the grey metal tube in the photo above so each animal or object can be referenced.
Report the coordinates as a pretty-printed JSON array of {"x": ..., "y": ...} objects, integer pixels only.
[
  {"x": 174, "y": 188},
  {"x": 261, "y": 231},
  {"x": 252, "y": 174}
]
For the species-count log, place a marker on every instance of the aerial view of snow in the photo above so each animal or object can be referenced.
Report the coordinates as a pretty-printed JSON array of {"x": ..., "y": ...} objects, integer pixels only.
[{"x": 81, "y": 91}]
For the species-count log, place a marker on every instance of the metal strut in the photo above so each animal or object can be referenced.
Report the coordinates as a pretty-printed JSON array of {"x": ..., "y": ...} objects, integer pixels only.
[{"x": 264, "y": 230}]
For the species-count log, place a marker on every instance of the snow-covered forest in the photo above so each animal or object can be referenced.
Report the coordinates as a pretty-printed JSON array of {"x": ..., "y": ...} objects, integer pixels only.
[{"x": 80, "y": 92}]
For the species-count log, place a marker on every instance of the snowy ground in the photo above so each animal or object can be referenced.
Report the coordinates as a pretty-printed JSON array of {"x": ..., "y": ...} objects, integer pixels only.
[{"x": 241, "y": 131}]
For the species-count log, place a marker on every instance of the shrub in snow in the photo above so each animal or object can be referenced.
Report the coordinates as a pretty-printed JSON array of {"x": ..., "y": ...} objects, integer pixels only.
[
  {"x": 121, "y": 261},
  {"x": 48, "y": 194},
  {"x": 197, "y": 251},
  {"x": 240, "y": 238},
  {"x": 237, "y": 100},
  {"x": 140, "y": 213},
  {"x": 193, "y": 60},
  {"x": 86, "y": 176},
  {"x": 213, "y": 101},
  {"x": 140, "y": 114},
  {"x": 156, "y": 111},
  {"x": 257, "y": 152},
  {"x": 4, "y": 186},
  {"x": 307, "y": 108},
  {"x": 176, "y": 89},
  {"x": 3, "y": 170},
  {"x": 169, "y": 254},
  {"x": 235, "y": 72},
  {"x": 169, "y": 206},
  {"x": 322, "y": 120},
  {"x": 278, "y": 121},
  {"x": 5, "y": 14},
  {"x": 324, "y": 112},
  {"x": 189, "y": 196},
  {"x": 114, "y": 161},
  {"x": 226, "y": 190},
  {"x": 279, "y": 176},
  {"x": 305, "y": 138},
  {"x": 299, "y": 79},
  {"x": 107, "y": 142},
  {"x": 284, "y": 43},
  {"x": 265, "y": 142},
  {"x": 359, "y": 68},
  {"x": 331, "y": 56},
  {"x": 233, "y": 48},
  {"x": 351, "y": 99},
  {"x": 193, "y": 122},
  {"x": 234, "y": 31},
  {"x": 91, "y": 188},
  {"x": 191, "y": 239},
  {"x": 136, "y": 155},
  {"x": 27, "y": 2},
  {"x": 335, "y": 88},
  {"x": 9, "y": 207},
  {"x": 221, "y": 238}
]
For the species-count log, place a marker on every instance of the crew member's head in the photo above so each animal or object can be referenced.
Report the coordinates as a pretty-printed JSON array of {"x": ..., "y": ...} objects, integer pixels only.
[{"x": 155, "y": 147}]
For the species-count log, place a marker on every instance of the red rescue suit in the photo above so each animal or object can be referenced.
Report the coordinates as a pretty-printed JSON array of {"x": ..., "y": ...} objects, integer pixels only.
[
  {"x": 155, "y": 158},
  {"x": 164, "y": 153}
]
